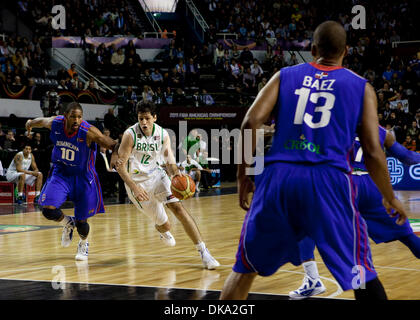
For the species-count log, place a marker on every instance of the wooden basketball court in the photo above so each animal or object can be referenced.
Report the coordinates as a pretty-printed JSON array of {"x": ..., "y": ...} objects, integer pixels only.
[{"x": 125, "y": 251}]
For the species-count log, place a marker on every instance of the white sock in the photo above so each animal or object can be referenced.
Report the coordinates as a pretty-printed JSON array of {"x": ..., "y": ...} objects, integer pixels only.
[
  {"x": 37, "y": 193},
  {"x": 311, "y": 269},
  {"x": 65, "y": 220},
  {"x": 201, "y": 246},
  {"x": 197, "y": 184},
  {"x": 166, "y": 233},
  {"x": 20, "y": 194},
  {"x": 83, "y": 242}
]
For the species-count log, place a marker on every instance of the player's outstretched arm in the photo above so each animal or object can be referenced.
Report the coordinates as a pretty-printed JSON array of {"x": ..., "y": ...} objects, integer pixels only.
[
  {"x": 124, "y": 152},
  {"x": 39, "y": 123},
  {"x": 374, "y": 156},
  {"x": 256, "y": 116},
  {"x": 398, "y": 151},
  {"x": 94, "y": 135}
]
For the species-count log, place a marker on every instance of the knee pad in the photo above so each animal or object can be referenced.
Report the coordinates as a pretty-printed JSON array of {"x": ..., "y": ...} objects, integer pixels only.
[
  {"x": 52, "y": 214},
  {"x": 82, "y": 228}
]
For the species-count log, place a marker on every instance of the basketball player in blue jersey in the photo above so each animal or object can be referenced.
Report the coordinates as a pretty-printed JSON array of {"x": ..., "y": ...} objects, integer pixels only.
[
  {"x": 73, "y": 174},
  {"x": 305, "y": 189},
  {"x": 381, "y": 227}
]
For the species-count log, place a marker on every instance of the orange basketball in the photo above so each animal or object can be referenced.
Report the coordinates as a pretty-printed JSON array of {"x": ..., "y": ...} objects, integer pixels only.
[{"x": 183, "y": 187}]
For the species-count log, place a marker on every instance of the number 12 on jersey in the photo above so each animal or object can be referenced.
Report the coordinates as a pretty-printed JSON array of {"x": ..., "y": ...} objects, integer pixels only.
[{"x": 302, "y": 116}]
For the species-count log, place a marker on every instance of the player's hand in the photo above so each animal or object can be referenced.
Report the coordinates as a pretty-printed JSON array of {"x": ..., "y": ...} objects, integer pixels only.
[
  {"x": 140, "y": 194},
  {"x": 395, "y": 209},
  {"x": 245, "y": 187},
  {"x": 118, "y": 162},
  {"x": 28, "y": 127}
]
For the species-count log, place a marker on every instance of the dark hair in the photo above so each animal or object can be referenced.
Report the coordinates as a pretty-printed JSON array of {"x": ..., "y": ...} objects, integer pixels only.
[
  {"x": 330, "y": 39},
  {"x": 73, "y": 106},
  {"x": 146, "y": 106}
]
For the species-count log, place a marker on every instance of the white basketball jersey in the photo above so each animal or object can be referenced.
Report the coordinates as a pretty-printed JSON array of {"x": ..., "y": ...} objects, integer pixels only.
[
  {"x": 147, "y": 151},
  {"x": 26, "y": 162}
]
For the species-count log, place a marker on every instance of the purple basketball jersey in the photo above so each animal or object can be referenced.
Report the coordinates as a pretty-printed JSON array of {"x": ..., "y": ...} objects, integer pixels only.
[
  {"x": 358, "y": 161},
  {"x": 71, "y": 153},
  {"x": 316, "y": 116}
]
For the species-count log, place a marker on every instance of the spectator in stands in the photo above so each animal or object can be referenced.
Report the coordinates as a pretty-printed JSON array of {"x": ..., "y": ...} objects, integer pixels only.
[
  {"x": 129, "y": 99},
  {"x": 157, "y": 78},
  {"x": 192, "y": 73},
  {"x": 409, "y": 143},
  {"x": 181, "y": 69},
  {"x": 272, "y": 41},
  {"x": 72, "y": 70},
  {"x": 131, "y": 53},
  {"x": 131, "y": 69},
  {"x": 248, "y": 80},
  {"x": 387, "y": 74},
  {"x": 235, "y": 54},
  {"x": 236, "y": 71},
  {"x": 370, "y": 75},
  {"x": 256, "y": 70},
  {"x": 262, "y": 84},
  {"x": 387, "y": 91},
  {"x": 218, "y": 54},
  {"x": 206, "y": 98},
  {"x": 413, "y": 131},
  {"x": 147, "y": 94},
  {"x": 246, "y": 57},
  {"x": 117, "y": 59},
  {"x": 159, "y": 96},
  {"x": 2, "y": 134},
  {"x": 175, "y": 79},
  {"x": 168, "y": 96},
  {"x": 9, "y": 143},
  {"x": 37, "y": 144},
  {"x": 179, "y": 98}
]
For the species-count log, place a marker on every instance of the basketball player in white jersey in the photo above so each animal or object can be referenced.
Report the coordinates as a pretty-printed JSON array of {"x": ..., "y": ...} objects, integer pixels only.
[
  {"x": 18, "y": 172},
  {"x": 148, "y": 186}
]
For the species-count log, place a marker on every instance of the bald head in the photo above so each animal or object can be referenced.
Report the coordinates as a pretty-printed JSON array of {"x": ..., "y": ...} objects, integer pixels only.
[{"x": 329, "y": 40}]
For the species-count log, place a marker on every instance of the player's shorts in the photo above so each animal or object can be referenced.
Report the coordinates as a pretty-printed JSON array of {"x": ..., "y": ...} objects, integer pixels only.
[
  {"x": 381, "y": 227},
  {"x": 84, "y": 190},
  {"x": 292, "y": 201},
  {"x": 13, "y": 176},
  {"x": 158, "y": 187}
]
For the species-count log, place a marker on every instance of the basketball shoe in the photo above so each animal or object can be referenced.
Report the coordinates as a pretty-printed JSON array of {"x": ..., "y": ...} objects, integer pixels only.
[
  {"x": 167, "y": 239},
  {"x": 67, "y": 235},
  {"x": 208, "y": 261},
  {"x": 82, "y": 251},
  {"x": 310, "y": 287}
]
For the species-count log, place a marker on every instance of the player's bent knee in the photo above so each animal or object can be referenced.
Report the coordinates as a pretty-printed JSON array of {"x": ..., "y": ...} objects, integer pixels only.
[
  {"x": 52, "y": 213},
  {"x": 22, "y": 177},
  {"x": 82, "y": 228}
]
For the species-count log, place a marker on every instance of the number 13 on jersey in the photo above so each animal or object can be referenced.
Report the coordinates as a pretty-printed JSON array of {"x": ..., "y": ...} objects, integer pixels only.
[{"x": 302, "y": 116}]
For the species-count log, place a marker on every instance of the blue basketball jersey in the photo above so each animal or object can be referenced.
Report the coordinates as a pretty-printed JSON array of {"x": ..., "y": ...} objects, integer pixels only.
[
  {"x": 358, "y": 161},
  {"x": 71, "y": 154},
  {"x": 317, "y": 113}
]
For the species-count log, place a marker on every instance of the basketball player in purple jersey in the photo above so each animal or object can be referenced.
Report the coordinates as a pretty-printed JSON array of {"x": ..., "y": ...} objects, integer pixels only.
[
  {"x": 305, "y": 189},
  {"x": 73, "y": 174},
  {"x": 381, "y": 227}
]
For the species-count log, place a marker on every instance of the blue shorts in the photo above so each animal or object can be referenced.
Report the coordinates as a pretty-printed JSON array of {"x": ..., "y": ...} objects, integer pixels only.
[
  {"x": 84, "y": 190},
  {"x": 381, "y": 227},
  {"x": 294, "y": 201}
]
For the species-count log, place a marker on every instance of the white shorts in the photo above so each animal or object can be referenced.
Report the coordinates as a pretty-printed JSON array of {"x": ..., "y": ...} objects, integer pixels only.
[
  {"x": 13, "y": 176},
  {"x": 158, "y": 188}
]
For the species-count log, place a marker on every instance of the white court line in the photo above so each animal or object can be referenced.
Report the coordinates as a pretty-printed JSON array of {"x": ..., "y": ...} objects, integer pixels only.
[{"x": 336, "y": 293}]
